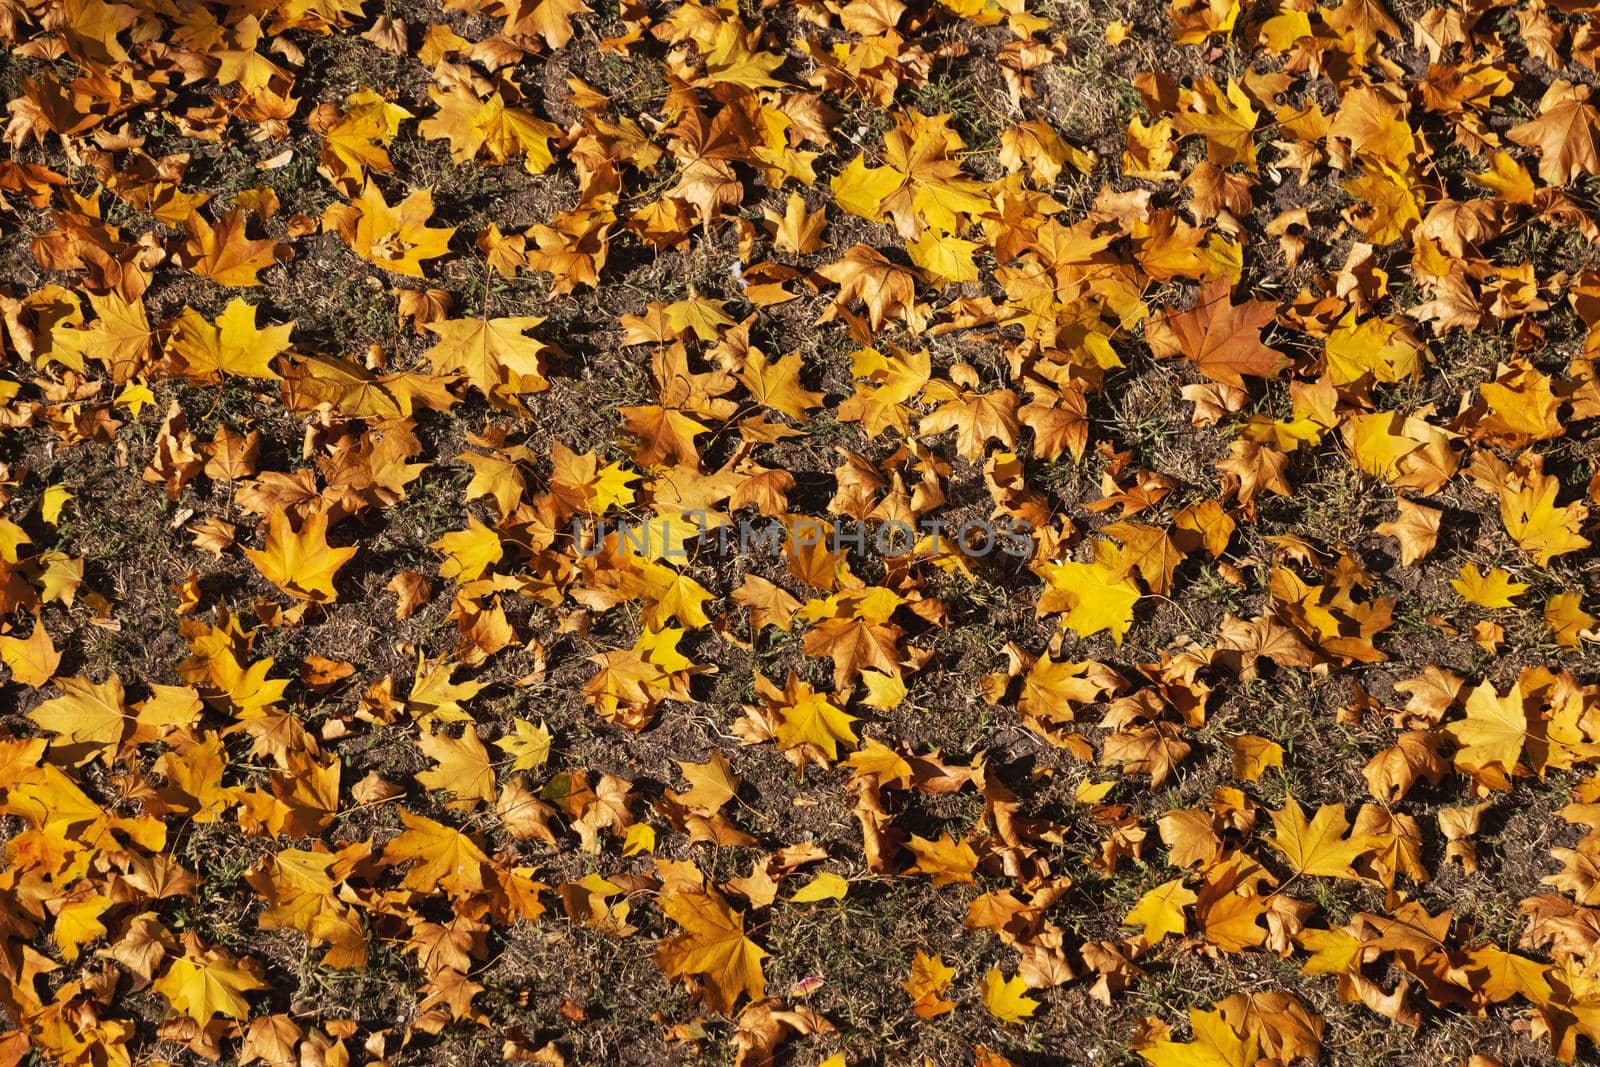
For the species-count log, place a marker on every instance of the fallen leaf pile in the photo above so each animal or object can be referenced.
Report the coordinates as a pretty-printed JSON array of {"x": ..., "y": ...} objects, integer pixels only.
[{"x": 499, "y": 554}]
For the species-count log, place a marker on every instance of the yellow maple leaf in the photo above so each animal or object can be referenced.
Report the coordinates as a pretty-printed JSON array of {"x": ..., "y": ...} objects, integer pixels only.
[
  {"x": 797, "y": 230},
  {"x": 78, "y": 922},
  {"x": 1534, "y": 521},
  {"x": 1006, "y": 998},
  {"x": 120, "y": 337},
  {"x": 495, "y": 355},
  {"x": 353, "y": 144},
  {"x": 445, "y": 857},
  {"x": 1383, "y": 349},
  {"x": 1508, "y": 178},
  {"x": 528, "y": 745},
  {"x": 1494, "y": 589},
  {"x": 233, "y": 345},
  {"x": 88, "y": 718},
  {"x": 672, "y": 595},
  {"x": 1378, "y": 442},
  {"x": 1318, "y": 847},
  {"x": 301, "y": 562},
  {"x": 711, "y": 784},
  {"x": 930, "y": 977},
  {"x": 808, "y": 717},
  {"x": 470, "y": 552},
  {"x": 861, "y": 190},
  {"x": 713, "y": 947},
  {"x": 225, "y": 253},
  {"x": 1492, "y": 735},
  {"x": 435, "y": 694},
  {"x": 1253, "y": 755},
  {"x": 944, "y": 256},
  {"x": 825, "y": 886},
  {"x": 33, "y": 659},
  {"x": 1160, "y": 911},
  {"x": 498, "y": 475},
  {"x": 1564, "y": 614},
  {"x": 776, "y": 385},
  {"x": 488, "y": 127},
  {"x": 1093, "y": 596},
  {"x": 1215, "y": 1044},
  {"x": 395, "y": 238},
  {"x": 205, "y": 983},
  {"x": 946, "y": 860},
  {"x": 461, "y": 765}
]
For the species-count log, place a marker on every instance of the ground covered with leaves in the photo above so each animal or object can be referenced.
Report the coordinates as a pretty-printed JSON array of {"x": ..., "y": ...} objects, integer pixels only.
[{"x": 1109, "y": 578}]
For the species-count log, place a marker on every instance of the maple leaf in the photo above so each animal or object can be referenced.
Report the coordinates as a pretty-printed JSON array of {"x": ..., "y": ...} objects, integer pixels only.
[
  {"x": 663, "y": 433},
  {"x": 33, "y": 660},
  {"x": 462, "y": 766},
  {"x": 1378, "y": 442},
  {"x": 1094, "y": 596},
  {"x": 583, "y": 485},
  {"x": 395, "y": 238},
  {"x": 945, "y": 860},
  {"x": 120, "y": 337},
  {"x": 233, "y": 345},
  {"x": 1041, "y": 148},
  {"x": 78, "y": 922},
  {"x": 945, "y": 257},
  {"x": 1508, "y": 178},
  {"x": 930, "y": 977},
  {"x": 796, "y": 230},
  {"x": 1227, "y": 121},
  {"x": 1006, "y": 998},
  {"x": 1492, "y": 735},
  {"x": 1148, "y": 550},
  {"x": 232, "y": 457},
  {"x": 1223, "y": 339},
  {"x": 528, "y": 745},
  {"x": 1318, "y": 847},
  {"x": 807, "y": 717},
  {"x": 976, "y": 417},
  {"x": 1494, "y": 589},
  {"x": 1278, "y": 1020},
  {"x": 434, "y": 693},
  {"x": 549, "y": 19},
  {"x": 712, "y": 947},
  {"x": 445, "y": 857},
  {"x": 204, "y": 983},
  {"x": 498, "y": 475},
  {"x": 711, "y": 784},
  {"x": 860, "y": 637},
  {"x": 1417, "y": 530},
  {"x": 493, "y": 354},
  {"x": 1154, "y": 750},
  {"x": 1565, "y": 133},
  {"x": 1497, "y": 975},
  {"x": 574, "y": 250},
  {"x": 825, "y": 886},
  {"x": 88, "y": 719},
  {"x": 776, "y": 385},
  {"x": 1215, "y": 1044},
  {"x": 1160, "y": 911},
  {"x": 490, "y": 127},
  {"x": 1537, "y": 524},
  {"x": 224, "y": 253},
  {"x": 354, "y": 143},
  {"x": 470, "y": 552},
  {"x": 1060, "y": 422},
  {"x": 887, "y": 290},
  {"x": 1253, "y": 755},
  {"x": 301, "y": 562}
]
